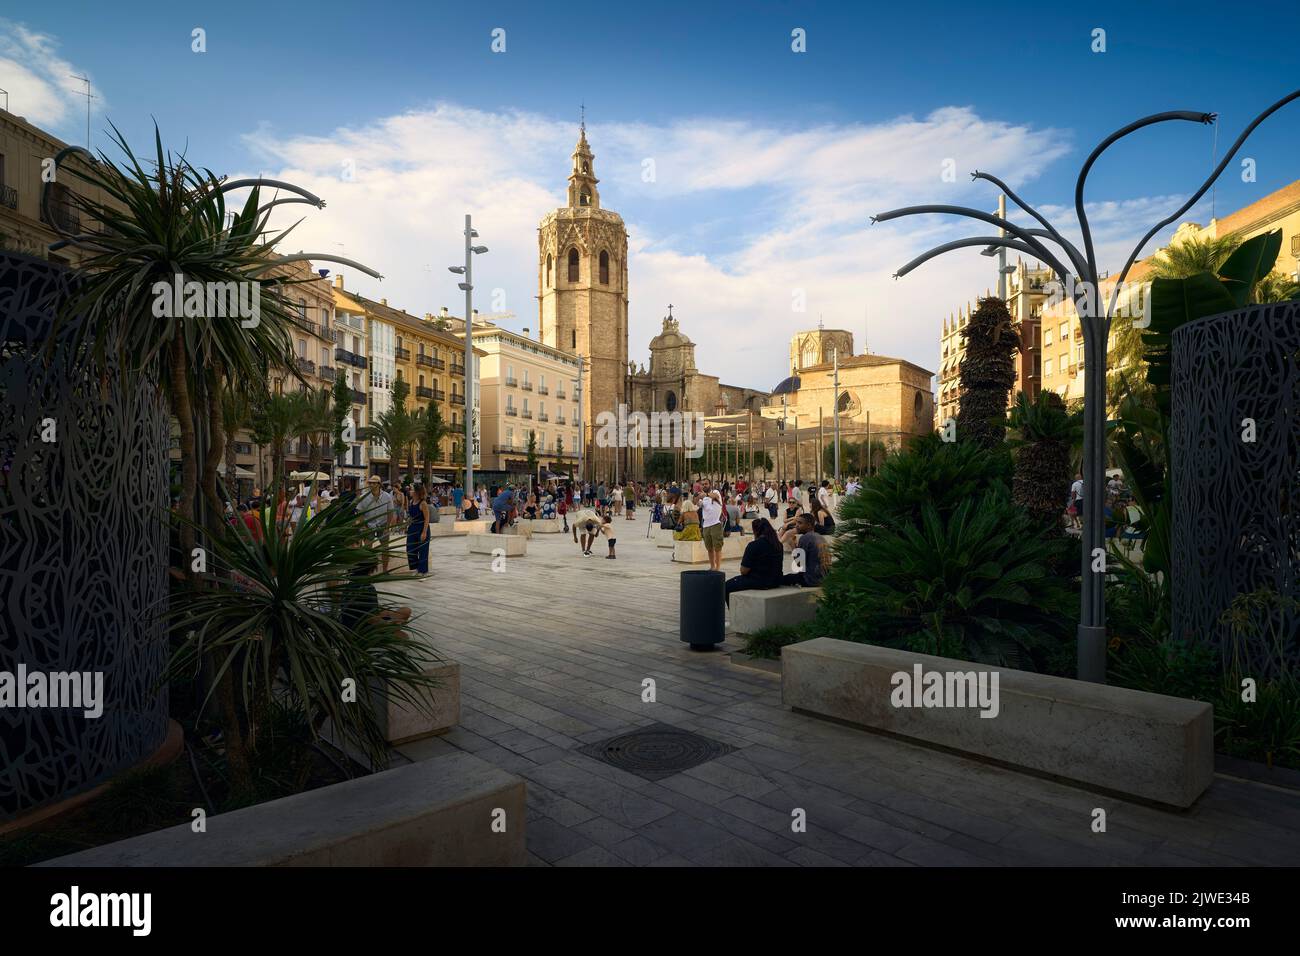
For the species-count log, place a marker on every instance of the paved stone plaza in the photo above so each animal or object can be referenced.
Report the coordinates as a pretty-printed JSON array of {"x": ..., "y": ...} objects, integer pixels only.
[{"x": 554, "y": 651}]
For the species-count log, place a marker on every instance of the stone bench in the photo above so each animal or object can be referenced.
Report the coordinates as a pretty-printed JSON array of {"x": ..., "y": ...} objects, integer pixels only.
[
  {"x": 694, "y": 552},
  {"x": 403, "y": 721},
  {"x": 779, "y": 607},
  {"x": 431, "y": 813},
  {"x": 542, "y": 525},
  {"x": 514, "y": 545},
  {"x": 1130, "y": 742},
  {"x": 447, "y": 529}
]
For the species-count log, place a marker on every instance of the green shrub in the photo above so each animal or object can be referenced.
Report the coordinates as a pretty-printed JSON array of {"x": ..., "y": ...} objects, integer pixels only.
[
  {"x": 1267, "y": 729},
  {"x": 1168, "y": 666},
  {"x": 767, "y": 642},
  {"x": 977, "y": 584}
]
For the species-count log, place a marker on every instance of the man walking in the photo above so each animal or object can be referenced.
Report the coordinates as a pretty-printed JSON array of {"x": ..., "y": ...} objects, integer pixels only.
[
  {"x": 376, "y": 508},
  {"x": 711, "y": 528}
]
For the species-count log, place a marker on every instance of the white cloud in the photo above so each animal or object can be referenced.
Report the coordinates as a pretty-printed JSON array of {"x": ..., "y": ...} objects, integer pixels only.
[
  {"x": 739, "y": 216},
  {"x": 40, "y": 83}
]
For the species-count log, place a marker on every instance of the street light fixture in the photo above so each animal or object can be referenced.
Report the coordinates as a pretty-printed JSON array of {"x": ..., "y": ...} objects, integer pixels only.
[{"x": 467, "y": 270}]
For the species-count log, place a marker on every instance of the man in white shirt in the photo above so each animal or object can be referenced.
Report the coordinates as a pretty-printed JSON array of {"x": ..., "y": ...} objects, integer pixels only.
[
  {"x": 711, "y": 528},
  {"x": 824, "y": 495},
  {"x": 769, "y": 499},
  {"x": 376, "y": 506},
  {"x": 852, "y": 487}
]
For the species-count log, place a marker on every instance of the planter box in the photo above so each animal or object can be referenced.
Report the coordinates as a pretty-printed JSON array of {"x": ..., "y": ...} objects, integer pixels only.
[
  {"x": 785, "y": 606},
  {"x": 447, "y": 529},
  {"x": 519, "y": 529},
  {"x": 430, "y": 813},
  {"x": 694, "y": 552},
  {"x": 514, "y": 545},
  {"x": 1144, "y": 745},
  {"x": 404, "y": 722}
]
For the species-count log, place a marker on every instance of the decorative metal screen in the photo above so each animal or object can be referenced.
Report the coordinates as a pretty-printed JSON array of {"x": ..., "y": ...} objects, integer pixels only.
[
  {"x": 1236, "y": 530},
  {"x": 83, "y": 548}
]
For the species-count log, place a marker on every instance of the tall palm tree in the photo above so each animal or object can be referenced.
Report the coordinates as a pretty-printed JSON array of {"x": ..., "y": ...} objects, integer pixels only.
[
  {"x": 1192, "y": 255},
  {"x": 987, "y": 373},
  {"x": 395, "y": 429},
  {"x": 1043, "y": 436},
  {"x": 277, "y": 419},
  {"x": 236, "y": 415},
  {"x": 1275, "y": 287},
  {"x": 317, "y": 426},
  {"x": 430, "y": 430}
]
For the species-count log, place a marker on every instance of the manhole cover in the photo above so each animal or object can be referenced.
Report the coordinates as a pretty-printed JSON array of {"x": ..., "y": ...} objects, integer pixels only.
[{"x": 656, "y": 751}]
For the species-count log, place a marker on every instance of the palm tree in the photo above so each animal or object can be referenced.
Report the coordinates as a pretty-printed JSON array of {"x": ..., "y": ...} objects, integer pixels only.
[
  {"x": 342, "y": 395},
  {"x": 430, "y": 430},
  {"x": 1192, "y": 255},
  {"x": 278, "y": 418},
  {"x": 318, "y": 425},
  {"x": 236, "y": 415},
  {"x": 1275, "y": 287},
  {"x": 395, "y": 429},
  {"x": 1044, "y": 436},
  {"x": 987, "y": 373}
]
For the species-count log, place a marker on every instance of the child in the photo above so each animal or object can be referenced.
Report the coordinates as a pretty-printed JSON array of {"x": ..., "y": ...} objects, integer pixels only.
[{"x": 607, "y": 529}]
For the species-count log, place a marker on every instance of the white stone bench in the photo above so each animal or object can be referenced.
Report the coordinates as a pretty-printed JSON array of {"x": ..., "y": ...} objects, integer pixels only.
[
  {"x": 430, "y": 813},
  {"x": 403, "y": 721},
  {"x": 1145, "y": 745},
  {"x": 694, "y": 552},
  {"x": 447, "y": 529},
  {"x": 542, "y": 525},
  {"x": 514, "y": 545},
  {"x": 778, "y": 607}
]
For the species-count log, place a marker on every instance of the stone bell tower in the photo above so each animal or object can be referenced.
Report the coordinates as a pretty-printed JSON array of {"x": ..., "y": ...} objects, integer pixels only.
[{"x": 582, "y": 286}]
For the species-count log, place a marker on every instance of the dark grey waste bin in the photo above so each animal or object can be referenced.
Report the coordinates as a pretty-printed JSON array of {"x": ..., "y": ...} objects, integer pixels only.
[{"x": 702, "y": 621}]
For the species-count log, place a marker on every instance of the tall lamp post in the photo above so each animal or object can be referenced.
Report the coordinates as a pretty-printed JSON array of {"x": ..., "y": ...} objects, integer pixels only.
[
  {"x": 467, "y": 270},
  {"x": 1079, "y": 279}
]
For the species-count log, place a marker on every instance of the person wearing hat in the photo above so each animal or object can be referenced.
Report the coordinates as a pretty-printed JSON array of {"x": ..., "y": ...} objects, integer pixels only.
[{"x": 376, "y": 507}]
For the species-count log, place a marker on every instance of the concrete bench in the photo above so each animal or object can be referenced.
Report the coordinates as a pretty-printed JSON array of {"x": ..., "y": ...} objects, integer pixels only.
[
  {"x": 779, "y": 607},
  {"x": 403, "y": 722},
  {"x": 1145, "y": 745},
  {"x": 514, "y": 545},
  {"x": 446, "y": 529},
  {"x": 694, "y": 552},
  {"x": 542, "y": 525},
  {"x": 431, "y": 813}
]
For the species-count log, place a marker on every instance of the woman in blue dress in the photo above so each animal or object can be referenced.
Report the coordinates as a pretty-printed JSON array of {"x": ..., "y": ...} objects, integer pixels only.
[{"x": 417, "y": 532}]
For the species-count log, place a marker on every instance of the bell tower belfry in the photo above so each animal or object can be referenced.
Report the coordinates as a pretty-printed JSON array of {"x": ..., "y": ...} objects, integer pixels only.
[{"x": 582, "y": 286}]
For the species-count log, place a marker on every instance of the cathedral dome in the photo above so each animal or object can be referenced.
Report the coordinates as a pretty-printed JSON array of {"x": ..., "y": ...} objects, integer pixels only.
[{"x": 670, "y": 337}]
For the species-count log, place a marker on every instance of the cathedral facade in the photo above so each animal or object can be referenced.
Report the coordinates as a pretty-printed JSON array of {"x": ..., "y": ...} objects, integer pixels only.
[{"x": 582, "y": 302}]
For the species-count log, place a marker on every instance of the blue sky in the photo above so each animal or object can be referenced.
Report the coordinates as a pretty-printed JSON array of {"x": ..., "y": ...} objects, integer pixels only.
[{"x": 768, "y": 162}]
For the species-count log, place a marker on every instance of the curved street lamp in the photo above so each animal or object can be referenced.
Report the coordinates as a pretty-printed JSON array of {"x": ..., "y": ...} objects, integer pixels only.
[{"x": 1094, "y": 318}]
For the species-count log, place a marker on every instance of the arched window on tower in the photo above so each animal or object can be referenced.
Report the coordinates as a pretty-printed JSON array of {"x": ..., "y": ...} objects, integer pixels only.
[
  {"x": 549, "y": 262},
  {"x": 573, "y": 265},
  {"x": 604, "y": 268},
  {"x": 584, "y": 199},
  {"x": 586, "y": 167}
]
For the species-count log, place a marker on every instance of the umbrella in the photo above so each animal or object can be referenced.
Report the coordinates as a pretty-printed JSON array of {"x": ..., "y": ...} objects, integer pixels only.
[{"x": 309, "y": 476}]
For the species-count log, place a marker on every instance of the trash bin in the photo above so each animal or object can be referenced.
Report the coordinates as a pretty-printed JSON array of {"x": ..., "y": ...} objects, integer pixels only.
[{"x": 702, "y": 618}]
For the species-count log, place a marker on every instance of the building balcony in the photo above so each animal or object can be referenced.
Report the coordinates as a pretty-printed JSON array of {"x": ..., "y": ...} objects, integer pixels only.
[
  {"x": 527, "y": 386},
  {"x": 402, "y": 355},
  {"x": 359, "y": 397},
  {"x": 327, "y": 373},
  {"x": 559, "y": 420},
  {"x": 512, "y": 411},
  {"x": 504, "y": 449},
  {"x": 457, "y": 369},
  {"x": 351, "y": 358},
  {"x": 430, "y": 361},
  {"x": 423, "y": 391},
  {"x": 8, "y": 197},
  {"x": 458, "y": 399},
  {"x": 525, "y": 414},
  {"x": 543, "y": 390},
  {"x": 306, "y": 366},
  {"x": 512, "y": 382},
  {"x": 560, "y": 394},
  {"x": 439, "y": 395},
  {"x": 543, "y": 417},
  {"x": 62, "y": 215}
]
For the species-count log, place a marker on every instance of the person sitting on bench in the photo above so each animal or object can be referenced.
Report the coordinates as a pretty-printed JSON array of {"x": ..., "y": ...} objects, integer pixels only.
[{"x": 760, "y": 566}]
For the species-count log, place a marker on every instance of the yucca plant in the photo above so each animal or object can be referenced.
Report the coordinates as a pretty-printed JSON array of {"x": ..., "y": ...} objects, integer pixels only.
[
  {"x": 978, "y": 583},
  {"x": 987, "y": 373},
  {"x": 1043, "y": 436},
  {"x": 296, "y": 620}
]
